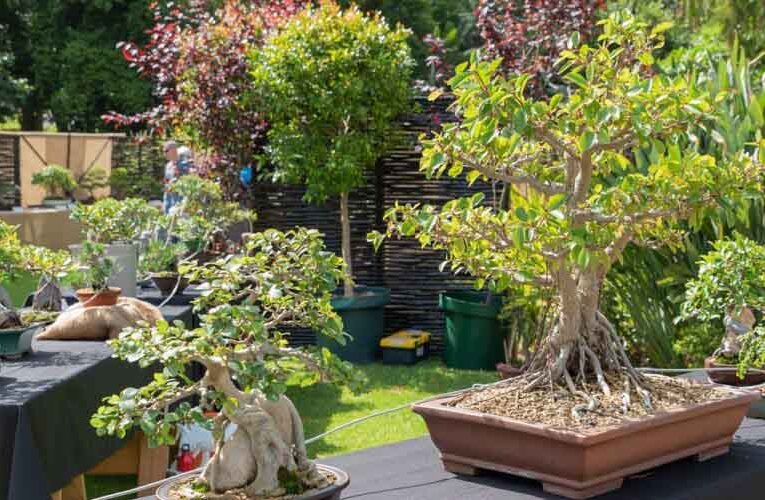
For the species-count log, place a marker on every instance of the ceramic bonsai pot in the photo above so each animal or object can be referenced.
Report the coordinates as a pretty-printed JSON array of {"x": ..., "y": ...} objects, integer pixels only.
[
  {"x": 166, "y": 283},
  {"x": 727, "y": 374},
  {"x": 581, "y": 465},
  {"x": 331, "y": 492},
  {"x": 107, "y": 297},
  {"x": 58, "y": 203},
  {"x": 363, "y": 319},
  {"x": 473, "y": 338},
  {"x": 15, "y": 342}
]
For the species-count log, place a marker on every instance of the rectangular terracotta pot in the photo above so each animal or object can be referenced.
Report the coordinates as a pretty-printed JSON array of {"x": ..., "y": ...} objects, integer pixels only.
[{"x": 581, "y": 465}]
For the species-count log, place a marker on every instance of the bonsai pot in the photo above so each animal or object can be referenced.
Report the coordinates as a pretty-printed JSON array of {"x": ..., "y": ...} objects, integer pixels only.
[
  {"x": 506, "y": 371},
  {"x": 757, "y": 408},
  {"x": 14, "y": 342},
  {"x": 90, "y": 298},
  {"x": 473, "y": 338},
  {"x": 581, "y": 465},
  {"x": 331, "y": 492},
  {"x": 166, "y": 282},
  {"x": 363, "y": 319},
  {"x": 727, "y": 374},
  {"x": 55, "y": 203}
]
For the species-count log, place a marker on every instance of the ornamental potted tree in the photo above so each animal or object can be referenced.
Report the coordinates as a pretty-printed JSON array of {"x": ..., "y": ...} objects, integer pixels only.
[
  {"x": 282, "y": 280},
  {"x": 59, "y": 184},
  {"x": 730, "y": 287},
  {"x": 331, "y": 83},
  {"x": 18, "y": 328},
  {"x": 95, "y": 271},
  {"x": 609, "y": 164},
  {"x": 160, "y": 262},
  {"x": 117, "y": 225}
]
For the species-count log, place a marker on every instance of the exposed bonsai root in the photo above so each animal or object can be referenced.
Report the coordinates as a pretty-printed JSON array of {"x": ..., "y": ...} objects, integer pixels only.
[{"x": 596, "y": 356}]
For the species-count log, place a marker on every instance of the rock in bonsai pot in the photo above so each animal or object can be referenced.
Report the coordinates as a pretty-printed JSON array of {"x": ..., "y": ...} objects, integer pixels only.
[
  {"x": 580, "y": 191},
  {"x": 282, "y": 279}
]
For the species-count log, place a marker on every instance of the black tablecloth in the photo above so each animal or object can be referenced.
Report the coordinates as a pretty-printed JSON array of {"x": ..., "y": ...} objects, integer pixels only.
[{"x": 46, "y": 400}]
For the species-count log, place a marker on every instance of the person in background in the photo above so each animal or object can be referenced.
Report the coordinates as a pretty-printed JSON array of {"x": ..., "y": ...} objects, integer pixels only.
[{"x": 170, "y": 149}]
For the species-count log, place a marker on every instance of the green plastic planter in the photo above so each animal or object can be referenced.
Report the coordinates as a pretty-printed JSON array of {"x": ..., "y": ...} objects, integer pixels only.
[
  {"x": 473, "y": 339},
  {"x": 363, "y": 319}
]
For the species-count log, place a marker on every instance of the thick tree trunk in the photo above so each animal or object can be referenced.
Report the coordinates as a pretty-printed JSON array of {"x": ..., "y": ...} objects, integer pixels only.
[{"x": 345, "y": 223}]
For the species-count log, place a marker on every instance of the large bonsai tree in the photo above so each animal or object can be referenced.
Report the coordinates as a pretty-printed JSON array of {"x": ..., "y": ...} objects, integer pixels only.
[
  {"x": 282, "y": 280},
  {"x": 331, "y": 84},
  {"x": 610, "y": 164}
]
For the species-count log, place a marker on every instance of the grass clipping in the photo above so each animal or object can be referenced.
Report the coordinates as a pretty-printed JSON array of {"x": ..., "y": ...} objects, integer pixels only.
[{"x": 554, "y": 407}]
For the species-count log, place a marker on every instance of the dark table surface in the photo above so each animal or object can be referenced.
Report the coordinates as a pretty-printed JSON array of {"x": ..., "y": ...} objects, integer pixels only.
[
  {"x": 46, "y": 400},
  {"x": 412, "y": 470}
]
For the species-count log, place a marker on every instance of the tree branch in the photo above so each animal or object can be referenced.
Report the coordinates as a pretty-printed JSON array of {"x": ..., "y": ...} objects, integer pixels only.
[
  {"x": 518, "y": 177},
  {"x": 633, "y": 218}
]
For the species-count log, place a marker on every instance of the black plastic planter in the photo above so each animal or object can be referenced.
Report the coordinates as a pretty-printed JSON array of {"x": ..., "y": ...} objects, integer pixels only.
[
  {"x": 473, "y": 338},
  {"x": 363, "y": 318}
]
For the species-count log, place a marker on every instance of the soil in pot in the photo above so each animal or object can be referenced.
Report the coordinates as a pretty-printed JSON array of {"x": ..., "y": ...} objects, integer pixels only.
[
  {"x": 107, "y": 297},
  {"x": 508, "y": 429},
  {"x": 182, "y": 489},
  {"x": 727, "y": 374},
  {"x": 166, "y": 283}
]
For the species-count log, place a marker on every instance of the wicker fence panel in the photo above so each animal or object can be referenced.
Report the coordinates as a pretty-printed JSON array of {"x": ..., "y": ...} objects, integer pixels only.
[{"x": 9, "y": 171}]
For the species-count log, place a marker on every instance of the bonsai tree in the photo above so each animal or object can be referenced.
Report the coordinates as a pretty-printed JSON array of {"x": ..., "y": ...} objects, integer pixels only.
[
  {"x": 10, "y": 265},
  {"x": 92, "y": 179},
  {"x": 282, "y": 280},
  {"x": 729, "y": 287},
  {"x": 95, "y": 267},
  {"x": 608, "y": 165},
  {"x": 331, "y": 84},
  {"x": 203, "y": 215},
  {"x": 161, "y": 259},
  {"x": 58, "y": 182},
  {"x": 53, "y": 267},
  {"x": 109, "y": 221}
]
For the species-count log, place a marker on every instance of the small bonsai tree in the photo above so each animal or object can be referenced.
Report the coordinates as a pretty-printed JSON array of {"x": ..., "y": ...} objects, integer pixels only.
[
  {"x": 58, "y": 182},
  {"x": 95, "y": 267},
  {"x": 161, "y": 259},
  {"x": 282, "y": 280},
  {"x": 109, "y": 221},
  {"x": 591, "y": 172},
  {"x": 10, "y": 266},
  {"x": 331, "y": 84},
  {"x": 93, "y": 179},
  {"x": 729, "y": 286},
  {"x": 53, "y": 267}
]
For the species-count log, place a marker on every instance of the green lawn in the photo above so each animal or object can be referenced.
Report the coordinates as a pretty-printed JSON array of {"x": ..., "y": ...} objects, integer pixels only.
[
  {"x": 19, "y": 289},
  {"x": 324, "y": 407}
]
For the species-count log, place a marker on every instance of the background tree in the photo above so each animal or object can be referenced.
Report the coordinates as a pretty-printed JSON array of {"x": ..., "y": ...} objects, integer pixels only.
[
  {"x": 64, "y": 49},
  {"x": 529, "y": 35},
  {"x": 331, "y": 84},
  {"x": 612, "y": 163},
  {"x": 196, "y": 61}
]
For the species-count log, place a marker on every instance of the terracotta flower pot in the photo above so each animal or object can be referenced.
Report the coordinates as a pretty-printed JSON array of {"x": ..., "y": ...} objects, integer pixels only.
[
  {"x": 331, "y": 492},
  {"x": 729, "y": 375},
  {"x": 107, "y": 297},
  {"x": 166, "y": 284},
  {"x": 579, "y": 465}
]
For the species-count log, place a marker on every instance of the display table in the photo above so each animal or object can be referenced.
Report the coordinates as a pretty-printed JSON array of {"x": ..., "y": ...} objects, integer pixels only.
[
  {"x": 412, "y": 469},
  {"x": 46, "y": 400}
]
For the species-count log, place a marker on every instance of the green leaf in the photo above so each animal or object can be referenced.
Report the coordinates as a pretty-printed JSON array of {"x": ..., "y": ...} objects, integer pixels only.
[{"x": 586, "y": 140}]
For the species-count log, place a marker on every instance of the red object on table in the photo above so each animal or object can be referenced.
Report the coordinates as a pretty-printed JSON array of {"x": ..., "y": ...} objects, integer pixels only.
[{"x": 185, "y": 459}]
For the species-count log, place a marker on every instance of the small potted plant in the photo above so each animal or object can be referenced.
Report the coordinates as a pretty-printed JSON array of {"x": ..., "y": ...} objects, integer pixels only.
[
  {"x": 729, "y": 290},
  {"x": 59, "y": 184},
  {"x": 117, "y": 225},
  {"x": 281, "y": 280},
  {"x": 90, "y": 181},
  {"x": 332, "y": 83},
  {"x": 160, "y": 262},
  {"x": 17, "y": 328},
  {"x": 95, "y": 271}
]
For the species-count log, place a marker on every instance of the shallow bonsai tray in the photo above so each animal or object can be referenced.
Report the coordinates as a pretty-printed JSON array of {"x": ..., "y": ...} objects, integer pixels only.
[
  {"x": 581, "y": 465},
  {"x": 331, "y": 492}
]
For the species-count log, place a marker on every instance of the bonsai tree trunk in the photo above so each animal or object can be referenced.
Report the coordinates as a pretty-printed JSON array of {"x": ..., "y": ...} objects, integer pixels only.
[
  {"x": 583, "y": 344},
  {"x": 267, "y": 445},
  {"x": 48, "y": 296},
  {"x": 345, "y": 223}
]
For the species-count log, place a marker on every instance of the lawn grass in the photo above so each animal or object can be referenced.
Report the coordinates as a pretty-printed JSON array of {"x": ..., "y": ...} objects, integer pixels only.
[
  {"x": 19, "y": 289},
  {"x": 323, "y": 407}
]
